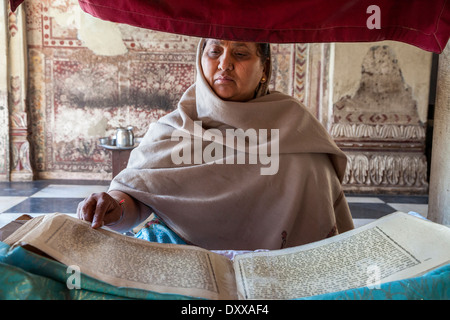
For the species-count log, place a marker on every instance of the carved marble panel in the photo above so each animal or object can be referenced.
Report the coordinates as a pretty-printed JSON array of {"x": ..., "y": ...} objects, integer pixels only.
[
  {"x": 393, "y": 172},
  {"x": 380, "y": 130}
]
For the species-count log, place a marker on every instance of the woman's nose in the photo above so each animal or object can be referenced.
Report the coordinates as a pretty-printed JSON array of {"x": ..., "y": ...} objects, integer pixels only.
[{"x": 226, "y": 62}]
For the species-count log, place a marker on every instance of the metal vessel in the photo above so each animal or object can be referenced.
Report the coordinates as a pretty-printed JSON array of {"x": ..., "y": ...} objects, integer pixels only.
[{"x": 122, "y": 138}]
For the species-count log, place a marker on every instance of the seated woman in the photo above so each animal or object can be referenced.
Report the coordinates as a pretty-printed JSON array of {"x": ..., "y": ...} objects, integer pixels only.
[{"x": 210, "y": 198}]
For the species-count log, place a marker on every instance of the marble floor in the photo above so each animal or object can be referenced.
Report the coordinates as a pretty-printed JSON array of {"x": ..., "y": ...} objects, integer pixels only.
[{"x": 49, "y": 196}]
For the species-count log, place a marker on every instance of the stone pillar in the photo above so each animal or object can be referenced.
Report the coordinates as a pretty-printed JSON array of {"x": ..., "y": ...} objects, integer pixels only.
[
  {"x": 4, "y": 114},
  {"x": 20, "y": 164},
  {"x": 439, "y": 194}
]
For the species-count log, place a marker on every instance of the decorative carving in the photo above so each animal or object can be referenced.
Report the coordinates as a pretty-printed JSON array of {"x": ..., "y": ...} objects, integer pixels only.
[
  {"x": 386, "y": 172},
  {"x": 21, "y": 156},
  {"x": 301, "y": 63},
  {"x": 387, "y": 131},
  {"x": 12, "y": 23}
]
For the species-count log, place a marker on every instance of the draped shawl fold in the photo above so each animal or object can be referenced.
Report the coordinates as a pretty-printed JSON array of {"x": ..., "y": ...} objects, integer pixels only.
[{"x": 218, "y": 205}]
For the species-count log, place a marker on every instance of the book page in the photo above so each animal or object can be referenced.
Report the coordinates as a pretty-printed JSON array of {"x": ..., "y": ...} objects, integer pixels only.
[
  {"x": 395, "y": 247},
  {"x": 129, "y": 262}
]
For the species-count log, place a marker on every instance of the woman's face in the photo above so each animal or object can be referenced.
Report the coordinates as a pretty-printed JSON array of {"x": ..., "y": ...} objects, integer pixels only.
[{"x": 232, "y": 69}]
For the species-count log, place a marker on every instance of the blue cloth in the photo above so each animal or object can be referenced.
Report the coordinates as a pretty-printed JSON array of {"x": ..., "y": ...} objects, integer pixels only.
[{"x": 157, "y": 231}]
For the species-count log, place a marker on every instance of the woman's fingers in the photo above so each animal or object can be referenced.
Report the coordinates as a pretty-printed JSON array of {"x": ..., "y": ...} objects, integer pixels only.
[
  {"x": 96, "y": 207},
  {"x": 86, "y": 208},
  {"x": 104, "y": 205}
]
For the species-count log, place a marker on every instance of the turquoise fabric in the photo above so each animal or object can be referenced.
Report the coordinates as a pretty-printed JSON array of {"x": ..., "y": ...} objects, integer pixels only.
[{"x": 156, "y": 230}]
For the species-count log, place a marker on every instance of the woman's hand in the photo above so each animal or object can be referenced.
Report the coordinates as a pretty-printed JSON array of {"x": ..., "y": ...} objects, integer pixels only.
[{"x": 100, "y": 209}]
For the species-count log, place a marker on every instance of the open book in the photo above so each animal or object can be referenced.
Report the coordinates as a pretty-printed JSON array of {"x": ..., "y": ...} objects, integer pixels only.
[{"x": 395, "y": 247}]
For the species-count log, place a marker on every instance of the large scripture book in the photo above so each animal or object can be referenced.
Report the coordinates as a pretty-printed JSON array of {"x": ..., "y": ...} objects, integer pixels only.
[{"x": 395, "y": 247}]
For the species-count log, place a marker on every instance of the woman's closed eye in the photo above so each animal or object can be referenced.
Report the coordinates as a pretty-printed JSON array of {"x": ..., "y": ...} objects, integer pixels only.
[
  {"x": 214, "y": 51},
  {"x": 241, "y": 55}
]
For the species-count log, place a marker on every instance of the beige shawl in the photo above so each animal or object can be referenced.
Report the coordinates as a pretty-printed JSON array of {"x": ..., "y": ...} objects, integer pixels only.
[{"x": 217, "y": 205}]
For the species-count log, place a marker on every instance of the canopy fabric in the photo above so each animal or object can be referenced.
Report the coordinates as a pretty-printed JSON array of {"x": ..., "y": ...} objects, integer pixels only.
[{"x": 422, "y": 23}]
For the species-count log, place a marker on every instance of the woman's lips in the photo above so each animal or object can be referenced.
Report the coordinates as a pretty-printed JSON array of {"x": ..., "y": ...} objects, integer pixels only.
[{"x": 223, "y": 80}]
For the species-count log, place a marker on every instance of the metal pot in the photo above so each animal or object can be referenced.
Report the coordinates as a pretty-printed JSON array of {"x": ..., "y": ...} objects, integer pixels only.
[{"x": 122, "y": 138}]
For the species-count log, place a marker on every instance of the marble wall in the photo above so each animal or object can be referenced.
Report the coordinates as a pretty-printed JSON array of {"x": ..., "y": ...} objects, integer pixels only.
[{"x": 83, "y": 77}]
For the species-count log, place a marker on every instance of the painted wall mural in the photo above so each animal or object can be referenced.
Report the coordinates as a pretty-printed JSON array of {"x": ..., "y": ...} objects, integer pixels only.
[{"x": 88, "y": 77}]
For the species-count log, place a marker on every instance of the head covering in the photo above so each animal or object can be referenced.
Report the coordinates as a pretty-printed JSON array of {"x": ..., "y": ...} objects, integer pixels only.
[{"x": 218, "y": 205}]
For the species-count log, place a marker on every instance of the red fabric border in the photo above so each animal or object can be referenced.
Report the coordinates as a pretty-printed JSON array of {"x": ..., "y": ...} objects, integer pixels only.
[{"x": 422, "y": 23}]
